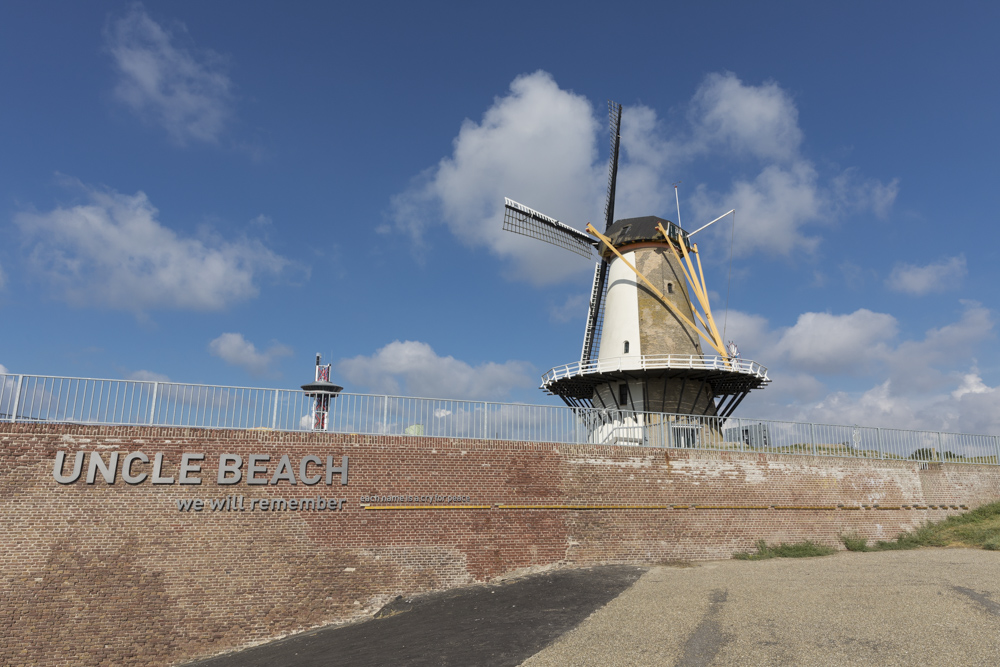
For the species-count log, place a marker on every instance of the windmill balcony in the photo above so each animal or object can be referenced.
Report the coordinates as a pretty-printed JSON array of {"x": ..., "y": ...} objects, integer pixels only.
[{"x": 657, "y": 362}]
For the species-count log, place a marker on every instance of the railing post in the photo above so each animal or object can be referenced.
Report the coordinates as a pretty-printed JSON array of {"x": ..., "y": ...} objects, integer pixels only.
[
  {"x": 152, "y": 403},
  {"x": 812, "y": 437},
  {"x": 940, "y": 452},
  {"x": 878, "y": 439},
  {"x": 385, "y": 415},
  {"x": 274, "y": 413},
  {"x": 17, "y": 399},
  {"x": 486, "y": 420}
]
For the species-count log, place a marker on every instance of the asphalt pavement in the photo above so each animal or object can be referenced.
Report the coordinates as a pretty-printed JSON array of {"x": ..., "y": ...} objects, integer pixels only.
[
  {"x": 926, "y": 607},
  {"x": 923, "y": 607}
]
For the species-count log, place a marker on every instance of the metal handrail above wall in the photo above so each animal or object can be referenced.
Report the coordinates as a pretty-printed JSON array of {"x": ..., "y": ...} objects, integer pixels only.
[{"x": 53, "y": 399}]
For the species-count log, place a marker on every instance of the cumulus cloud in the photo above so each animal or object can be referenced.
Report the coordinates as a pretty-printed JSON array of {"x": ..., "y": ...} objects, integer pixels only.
[
  {"x": 3, "y": 370},
  {"x": 114, "y": 253},
  {"x": 728, "y": 115},
  {"x": 787, "y": 195},
  {"x": 412, "y": 368},
  {"x": 543, "y": 146},
  {"x": 536, "y": 145},
  {"x": 777, "y": 204},
  {"x": 234, "y": 349},
  {"x": 853, "y": 368},
  {"x": 186, "y": 92},
  {"x": 941, "y": 276},
  {"x": 825, "y": 343}
]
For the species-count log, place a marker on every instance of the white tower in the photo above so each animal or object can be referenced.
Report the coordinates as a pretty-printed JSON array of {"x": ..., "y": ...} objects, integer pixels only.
[{"x": 321, "y": 390}]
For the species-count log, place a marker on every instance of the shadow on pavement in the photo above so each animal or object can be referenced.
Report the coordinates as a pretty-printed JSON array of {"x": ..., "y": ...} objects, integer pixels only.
[{"x": 487, "y": 625}]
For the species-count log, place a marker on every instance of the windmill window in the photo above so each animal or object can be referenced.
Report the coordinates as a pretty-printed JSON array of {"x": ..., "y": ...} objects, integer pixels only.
[
  {"x": 623, "y": 394},
  {"x": 670, "y": 288},
  {"x": 625, "y": 351}
]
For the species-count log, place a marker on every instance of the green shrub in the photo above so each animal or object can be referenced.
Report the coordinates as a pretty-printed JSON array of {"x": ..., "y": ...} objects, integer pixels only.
[
  {"x": 854, "y": 542},
  {"x": 804, "y": 549}
]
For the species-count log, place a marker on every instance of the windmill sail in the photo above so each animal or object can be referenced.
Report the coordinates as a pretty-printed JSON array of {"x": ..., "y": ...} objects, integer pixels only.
[
  {"x": 520, "y": 219},
  {"x": 595, "y": 316}
]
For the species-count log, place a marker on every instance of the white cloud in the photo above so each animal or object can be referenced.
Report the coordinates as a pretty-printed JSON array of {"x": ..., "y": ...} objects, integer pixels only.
[
  {"x": 825, "y": 343},
  {"x": 412, "y": 368},
  {"x": 543, "y": 146},
  {"x": 147, "y": 376},
  {"x": 3, "y": 370},
  {"x": 971, "y": 384},
  {"x": 941, "y": 276},
  {"x": 114, "y": 253},
  {"x": 771, "y": 210},
  {"x": 536, "y": 145},
  {"x": 730, "y": 116},
  {"x": 234, "y": 349},
  {"x": 187, "y": 93},
  {"x": 923, "y": 383}
]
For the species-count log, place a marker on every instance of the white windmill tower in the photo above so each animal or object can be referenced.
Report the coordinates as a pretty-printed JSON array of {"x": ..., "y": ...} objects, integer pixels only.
[{"x": 642, "y": 346}]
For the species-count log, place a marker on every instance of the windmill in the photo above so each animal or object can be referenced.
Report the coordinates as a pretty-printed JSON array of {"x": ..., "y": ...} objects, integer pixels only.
[{"x": 642, "y": 346}]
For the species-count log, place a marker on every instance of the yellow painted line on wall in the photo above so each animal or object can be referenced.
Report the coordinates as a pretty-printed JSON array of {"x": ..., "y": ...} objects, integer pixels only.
[
  {"x": 805, "y": 507},
  {"x": 646, "y": 507},
  {"x": 427, "y": 507},
  {"x": 584, "y": 507},
  {"x": 732, "y": 507}
]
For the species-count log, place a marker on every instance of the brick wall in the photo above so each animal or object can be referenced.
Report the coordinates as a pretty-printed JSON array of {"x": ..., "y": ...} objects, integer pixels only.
[{"x": 116, "y": 574}]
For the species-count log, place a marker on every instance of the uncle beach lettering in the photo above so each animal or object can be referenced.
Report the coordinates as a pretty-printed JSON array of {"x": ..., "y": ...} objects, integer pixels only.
[{"x": 135, "y": 468}]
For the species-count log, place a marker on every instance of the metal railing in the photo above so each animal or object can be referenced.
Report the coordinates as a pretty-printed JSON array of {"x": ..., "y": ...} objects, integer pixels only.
[
  {"x": 36, "y": 398},
  {"x": 654, "y": 362}
]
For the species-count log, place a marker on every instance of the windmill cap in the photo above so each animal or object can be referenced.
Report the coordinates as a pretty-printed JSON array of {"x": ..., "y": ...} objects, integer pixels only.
[
  {"x": 321, "y": 387},
  {"x": 639, "y": 230}
]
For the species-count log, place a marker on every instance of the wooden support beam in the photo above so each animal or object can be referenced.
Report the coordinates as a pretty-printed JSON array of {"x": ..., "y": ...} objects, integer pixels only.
[
  {"x": 700, "y": 290},
  {"x": 708, "y": 310}
]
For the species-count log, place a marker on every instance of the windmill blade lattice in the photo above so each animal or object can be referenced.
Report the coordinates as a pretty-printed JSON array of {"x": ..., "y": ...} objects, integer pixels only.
[
  {"x": 595, "y": 314},
  {"x": 520, "y": 219}
]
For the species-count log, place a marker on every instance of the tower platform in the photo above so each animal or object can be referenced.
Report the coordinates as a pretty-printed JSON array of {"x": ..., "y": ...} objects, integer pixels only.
[{"x": 579, "y": 384}]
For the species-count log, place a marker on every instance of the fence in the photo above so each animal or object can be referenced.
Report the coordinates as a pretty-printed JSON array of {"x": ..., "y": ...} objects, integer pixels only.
[{"x": 36, "y": 398}]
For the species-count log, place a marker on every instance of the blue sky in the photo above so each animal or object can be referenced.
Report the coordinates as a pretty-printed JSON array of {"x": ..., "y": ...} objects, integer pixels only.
[{"x": 214, "y": 192}]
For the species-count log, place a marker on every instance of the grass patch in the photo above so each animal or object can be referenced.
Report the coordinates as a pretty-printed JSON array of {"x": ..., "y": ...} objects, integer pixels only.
[
  {"x": 805, "y": 549},
  {"x": 855, "y": 543},
  {"x": 978, "y": 528}
]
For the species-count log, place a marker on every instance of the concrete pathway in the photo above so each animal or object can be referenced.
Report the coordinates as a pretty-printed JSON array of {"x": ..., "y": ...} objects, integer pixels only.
[{"x": 924, "y": 607}]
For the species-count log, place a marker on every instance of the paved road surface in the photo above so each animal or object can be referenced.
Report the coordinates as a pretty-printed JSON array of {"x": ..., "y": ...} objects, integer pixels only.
[
  {"x": 925, "y": 607},
  {"x": 488, "y": 625}
]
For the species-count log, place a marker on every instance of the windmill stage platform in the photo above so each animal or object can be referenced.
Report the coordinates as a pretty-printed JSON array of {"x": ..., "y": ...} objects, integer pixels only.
[{"x": 728, "y": 379}]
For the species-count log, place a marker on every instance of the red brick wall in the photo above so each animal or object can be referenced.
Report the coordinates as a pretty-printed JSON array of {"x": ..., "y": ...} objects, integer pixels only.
[{"x": 115, "y": 574}]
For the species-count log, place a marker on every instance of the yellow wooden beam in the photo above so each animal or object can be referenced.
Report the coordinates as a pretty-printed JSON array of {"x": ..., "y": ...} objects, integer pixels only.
[
  {"x": 699, "y": 288},
  {"x": 676, "y": 311},
  {"x": 708, "y": 310}
]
